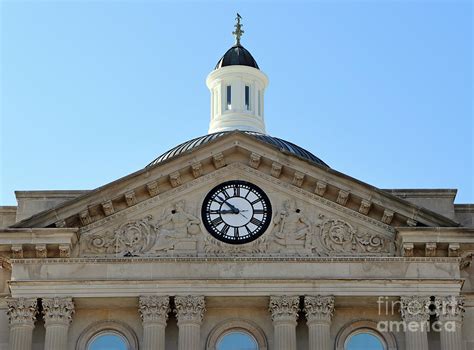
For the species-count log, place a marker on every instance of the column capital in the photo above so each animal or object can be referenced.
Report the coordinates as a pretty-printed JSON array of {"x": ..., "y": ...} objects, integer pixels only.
[
  {"x": 22, "y": 311},
  {"x": 154, "y": 308},
  {"x": 190, "y": 308},
  {"x": 58, "y": 311},
  {"x": 284, "y": 308},
  {"x": 450, "y": 308},
  {"x": 415, "y": 308},
  {"x": 319, "y": 308}
]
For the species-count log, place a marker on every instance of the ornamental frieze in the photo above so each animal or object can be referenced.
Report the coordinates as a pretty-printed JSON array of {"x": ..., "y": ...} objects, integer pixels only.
[{"x": 295, "y": 230}]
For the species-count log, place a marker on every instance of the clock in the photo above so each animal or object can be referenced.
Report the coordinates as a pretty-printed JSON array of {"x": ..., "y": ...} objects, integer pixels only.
[{"x": 236, "y": 212}]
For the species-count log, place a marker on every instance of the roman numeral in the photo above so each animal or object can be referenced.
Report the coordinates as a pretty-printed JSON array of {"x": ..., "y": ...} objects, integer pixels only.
[
  {"x": 256, "y": 222},
  {"x": 217, "y": 221},
  {"x": 214, "y": 211},
  {"x": 236, "y": 232},
  {"x": 225, "y": 229},
  {"x": 226, "y": 195},
  {"x": 256, "y": 201},
  {"x": 236, "y": 191},
  {"x": 259, "y": 211}
]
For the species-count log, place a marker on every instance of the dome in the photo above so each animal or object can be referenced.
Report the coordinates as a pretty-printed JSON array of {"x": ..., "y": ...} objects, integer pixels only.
[
  {"x": 282, "y": 145},
  {"x": 237, "y": 55}
]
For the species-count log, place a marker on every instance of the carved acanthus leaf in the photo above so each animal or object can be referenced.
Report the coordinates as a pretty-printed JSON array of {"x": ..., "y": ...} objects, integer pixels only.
[
  {"x": 154, "y": 308},
  {"x": 57, "y": 310},
  {"x": 415, "y": 308},
  {"x": 450, "y": 307},
  {"x": 284, "y": 308},
  {"x": 189, "y": 308},
  {"x": 319, "y": 308},
  {"x": 22, "y": 311}
]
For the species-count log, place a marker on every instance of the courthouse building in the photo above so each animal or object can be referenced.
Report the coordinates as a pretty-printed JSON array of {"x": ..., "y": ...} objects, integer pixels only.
[{"x": 237, "y": 240}]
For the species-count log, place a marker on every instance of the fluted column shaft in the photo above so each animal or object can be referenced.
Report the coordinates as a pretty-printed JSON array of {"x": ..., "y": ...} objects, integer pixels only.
[
  {"x": 416, "y": 314},
  {"x": 450, "y": 310},
  {"x": 190, "y": 313},
  {"x": 22, "y": 316},
  {"x": 154, "y": 312},
  {"x": 284, "y": 310},
  {"x": 319, "y": 311},
  {"x": 57, "y": 313}
]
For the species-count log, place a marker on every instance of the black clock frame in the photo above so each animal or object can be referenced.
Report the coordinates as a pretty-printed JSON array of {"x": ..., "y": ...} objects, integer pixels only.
[{"x": 259, "y": 232}]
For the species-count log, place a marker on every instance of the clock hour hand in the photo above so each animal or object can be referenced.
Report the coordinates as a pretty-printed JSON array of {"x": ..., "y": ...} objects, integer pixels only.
[
  {"x": 227, "y": 212},
  {"x": 234, "y": 209}
]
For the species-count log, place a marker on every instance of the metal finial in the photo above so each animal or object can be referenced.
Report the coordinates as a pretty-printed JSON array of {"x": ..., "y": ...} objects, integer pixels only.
[{"x": 238, "y": 30}]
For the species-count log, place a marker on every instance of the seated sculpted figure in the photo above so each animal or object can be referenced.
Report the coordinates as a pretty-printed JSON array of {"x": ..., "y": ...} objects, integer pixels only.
[
  {"x": 176, "y": 227},
  {"x": 292, "y": 227}
]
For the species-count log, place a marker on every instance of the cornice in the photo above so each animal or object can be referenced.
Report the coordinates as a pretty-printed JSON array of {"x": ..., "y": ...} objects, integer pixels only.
[{"x": 354, "y": 259}]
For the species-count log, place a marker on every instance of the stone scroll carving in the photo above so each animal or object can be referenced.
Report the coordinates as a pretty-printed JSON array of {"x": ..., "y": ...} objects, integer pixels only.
[
  {"x": 176, "y": 232},
  {"x": 340, "y": 237},
  {"x": 132, "y": 238},
  {"x": 295, "y": 231}
]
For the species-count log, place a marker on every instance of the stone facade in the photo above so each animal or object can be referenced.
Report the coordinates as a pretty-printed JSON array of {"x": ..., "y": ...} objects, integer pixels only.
[{"x": 150, "y": 269}]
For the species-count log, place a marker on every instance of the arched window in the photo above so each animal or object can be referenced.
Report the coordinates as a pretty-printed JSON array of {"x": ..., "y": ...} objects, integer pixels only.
[
  {"x": 363, "y": 335},
  {"x": 364, "y": 340},
  {"x": 107, "y": 335},
  {"x": 237, "y": 340},
  {"x": 108, "y": 340},
  {"x": 236, "y": 334}
]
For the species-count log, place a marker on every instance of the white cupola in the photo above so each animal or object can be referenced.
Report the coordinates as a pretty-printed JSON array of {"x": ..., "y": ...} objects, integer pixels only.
[{"x": 237, "y": 88}]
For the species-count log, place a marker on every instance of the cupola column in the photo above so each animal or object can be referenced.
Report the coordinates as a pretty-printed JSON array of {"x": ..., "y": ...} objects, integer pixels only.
[
  {"x": 416, "y": 314},
  {"x": 57, "y": 313},
  {"x": 284, "y": 310},
  {"x": 154, "y": 312},
  {"x": 22, "y": 315},
  {"x": 319, "y": 311},
  {"x": 189, "y": 313}
]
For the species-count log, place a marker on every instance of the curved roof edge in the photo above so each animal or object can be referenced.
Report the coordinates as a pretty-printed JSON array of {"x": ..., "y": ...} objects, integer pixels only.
[{"x": 282, "y": 145}]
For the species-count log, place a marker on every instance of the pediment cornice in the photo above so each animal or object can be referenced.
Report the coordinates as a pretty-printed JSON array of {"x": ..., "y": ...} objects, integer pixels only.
[{"x": 243, "y": 152}]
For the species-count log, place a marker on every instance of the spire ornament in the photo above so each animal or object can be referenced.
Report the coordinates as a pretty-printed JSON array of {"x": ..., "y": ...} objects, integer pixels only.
[{"x": 238, "y": 30}]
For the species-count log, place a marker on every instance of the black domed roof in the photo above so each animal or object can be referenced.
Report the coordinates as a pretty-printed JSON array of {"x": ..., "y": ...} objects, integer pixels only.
[
  {"x": 284, "y": 146},
  {"x": 237, "y": 55}
]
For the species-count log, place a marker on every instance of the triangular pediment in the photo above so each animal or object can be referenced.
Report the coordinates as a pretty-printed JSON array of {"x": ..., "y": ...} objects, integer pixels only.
[
  {"x": 302, "y": 224},
  {"x": 282, "y": 169}
]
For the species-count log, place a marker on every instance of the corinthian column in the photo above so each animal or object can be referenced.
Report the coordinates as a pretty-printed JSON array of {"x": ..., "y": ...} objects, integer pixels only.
[
  {"x": 319, "y": 311},
  {"x": 416, "y": 314},
  {"x": 57, "y": 314},
  {"x": 450, "y": 310},
  {"x": 22, "y": 315},
  {"x": 154, "y": 312},
  {"x": 284, "y": 310},
  {"x": 190, "y": 313}
]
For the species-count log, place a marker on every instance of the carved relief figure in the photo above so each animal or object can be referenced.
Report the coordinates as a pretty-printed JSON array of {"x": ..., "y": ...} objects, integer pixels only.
[
  {"x": 292, "y": 228},
  {"x": 178, "y": 227}
]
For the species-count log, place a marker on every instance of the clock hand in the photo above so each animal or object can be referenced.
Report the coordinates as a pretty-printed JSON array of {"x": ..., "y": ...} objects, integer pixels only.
[
  {"x": 227, "y": 212},
  {"x": 234, "y": 209}
]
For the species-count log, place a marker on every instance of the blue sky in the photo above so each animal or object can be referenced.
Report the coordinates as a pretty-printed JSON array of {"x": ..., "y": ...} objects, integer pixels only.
[{"x": 94, "y": 90}]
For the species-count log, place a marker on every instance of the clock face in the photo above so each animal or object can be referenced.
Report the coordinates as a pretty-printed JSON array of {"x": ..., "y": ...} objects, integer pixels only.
[{"x": 236, "y": 212}]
